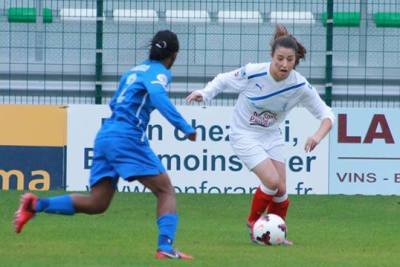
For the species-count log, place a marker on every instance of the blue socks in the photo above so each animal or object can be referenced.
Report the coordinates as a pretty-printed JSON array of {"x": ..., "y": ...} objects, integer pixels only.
[
  {"x": 60, "y": 205},
  {"x": 167, "y": 224}
]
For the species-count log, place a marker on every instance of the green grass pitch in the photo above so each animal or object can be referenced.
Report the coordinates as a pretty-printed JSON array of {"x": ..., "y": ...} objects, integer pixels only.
[{"x": 327, "y": 231}]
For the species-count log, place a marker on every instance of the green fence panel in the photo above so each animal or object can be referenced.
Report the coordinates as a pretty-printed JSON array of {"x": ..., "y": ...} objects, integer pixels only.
[
  {"x": 47, "y": 15},
  {"x": 343, "y": 19},
  {"x": 22, "y": 14},
  {"x": 389, "y": 19}
]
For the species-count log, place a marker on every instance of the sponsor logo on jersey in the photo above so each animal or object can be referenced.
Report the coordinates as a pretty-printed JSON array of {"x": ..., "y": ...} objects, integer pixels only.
[{"x": 264, "y": 119}]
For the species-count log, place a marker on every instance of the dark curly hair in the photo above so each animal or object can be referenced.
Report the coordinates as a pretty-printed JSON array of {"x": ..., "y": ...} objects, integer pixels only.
[{"x": 163, "y": 45}]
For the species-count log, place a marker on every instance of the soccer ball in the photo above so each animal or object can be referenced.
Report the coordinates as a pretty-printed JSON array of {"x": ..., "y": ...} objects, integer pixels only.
[{"x": 269, "y": 229}]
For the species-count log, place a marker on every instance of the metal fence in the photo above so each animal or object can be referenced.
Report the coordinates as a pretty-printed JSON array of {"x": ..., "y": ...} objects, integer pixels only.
[{"x": 73, "y": 51}]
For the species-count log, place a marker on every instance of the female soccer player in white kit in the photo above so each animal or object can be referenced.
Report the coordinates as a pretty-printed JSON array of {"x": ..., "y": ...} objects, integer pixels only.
[{"x": 267, "y": 92}]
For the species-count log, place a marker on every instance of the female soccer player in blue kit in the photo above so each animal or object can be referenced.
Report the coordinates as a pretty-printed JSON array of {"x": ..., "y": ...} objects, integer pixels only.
[{"x": 121, "y": 148}]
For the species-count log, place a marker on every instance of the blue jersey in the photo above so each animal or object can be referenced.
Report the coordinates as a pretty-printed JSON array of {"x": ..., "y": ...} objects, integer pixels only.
[{"x": 141, "y": 90}]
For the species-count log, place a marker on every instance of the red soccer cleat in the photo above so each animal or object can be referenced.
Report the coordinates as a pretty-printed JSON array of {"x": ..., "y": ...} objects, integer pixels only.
[
  {"x": 163, "y": 255},
  {"x": 25, "y": 211}
]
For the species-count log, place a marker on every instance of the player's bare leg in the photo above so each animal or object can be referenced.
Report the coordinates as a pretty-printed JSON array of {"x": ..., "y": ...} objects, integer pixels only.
[{"x": 97, "y": 201}]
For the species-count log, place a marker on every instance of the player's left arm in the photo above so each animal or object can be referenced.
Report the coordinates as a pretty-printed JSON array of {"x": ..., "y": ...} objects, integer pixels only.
[
  {"x": 318, "y": 108},
  {"x": 315, "y": 139}
]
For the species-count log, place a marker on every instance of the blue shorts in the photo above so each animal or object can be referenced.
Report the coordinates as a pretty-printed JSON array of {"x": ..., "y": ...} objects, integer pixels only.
[{"x": 123, "y": 157}]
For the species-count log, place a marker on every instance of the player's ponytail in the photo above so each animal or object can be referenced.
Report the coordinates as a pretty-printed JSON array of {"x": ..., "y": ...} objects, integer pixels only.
[
  {"x": 283, "y": 38},
  {"x": 163, "y": 45}
]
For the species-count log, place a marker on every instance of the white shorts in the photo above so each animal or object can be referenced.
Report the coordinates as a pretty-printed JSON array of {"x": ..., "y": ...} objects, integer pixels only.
[{"x": 252, "y": 151}]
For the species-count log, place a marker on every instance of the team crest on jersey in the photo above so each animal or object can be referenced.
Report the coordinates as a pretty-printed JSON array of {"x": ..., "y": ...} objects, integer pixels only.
[
  {"x": 131, "y": 79},
  {"x": 264, "y": 119},
  {"x": 162, "y": 80},
  {"x": 240, "y": 74}
]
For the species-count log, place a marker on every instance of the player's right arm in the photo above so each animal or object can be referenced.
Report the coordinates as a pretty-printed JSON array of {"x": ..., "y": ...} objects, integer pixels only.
[
  {"x": 235, "y": 80},
  {"x": 156, "y": 88}
]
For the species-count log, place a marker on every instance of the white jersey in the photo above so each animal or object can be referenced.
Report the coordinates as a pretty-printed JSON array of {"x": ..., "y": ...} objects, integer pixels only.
[{"x": 263, "y": 102}]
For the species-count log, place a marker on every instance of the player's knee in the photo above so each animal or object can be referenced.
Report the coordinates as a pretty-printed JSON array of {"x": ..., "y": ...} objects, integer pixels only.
[{"x": 272, "y": 183}]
